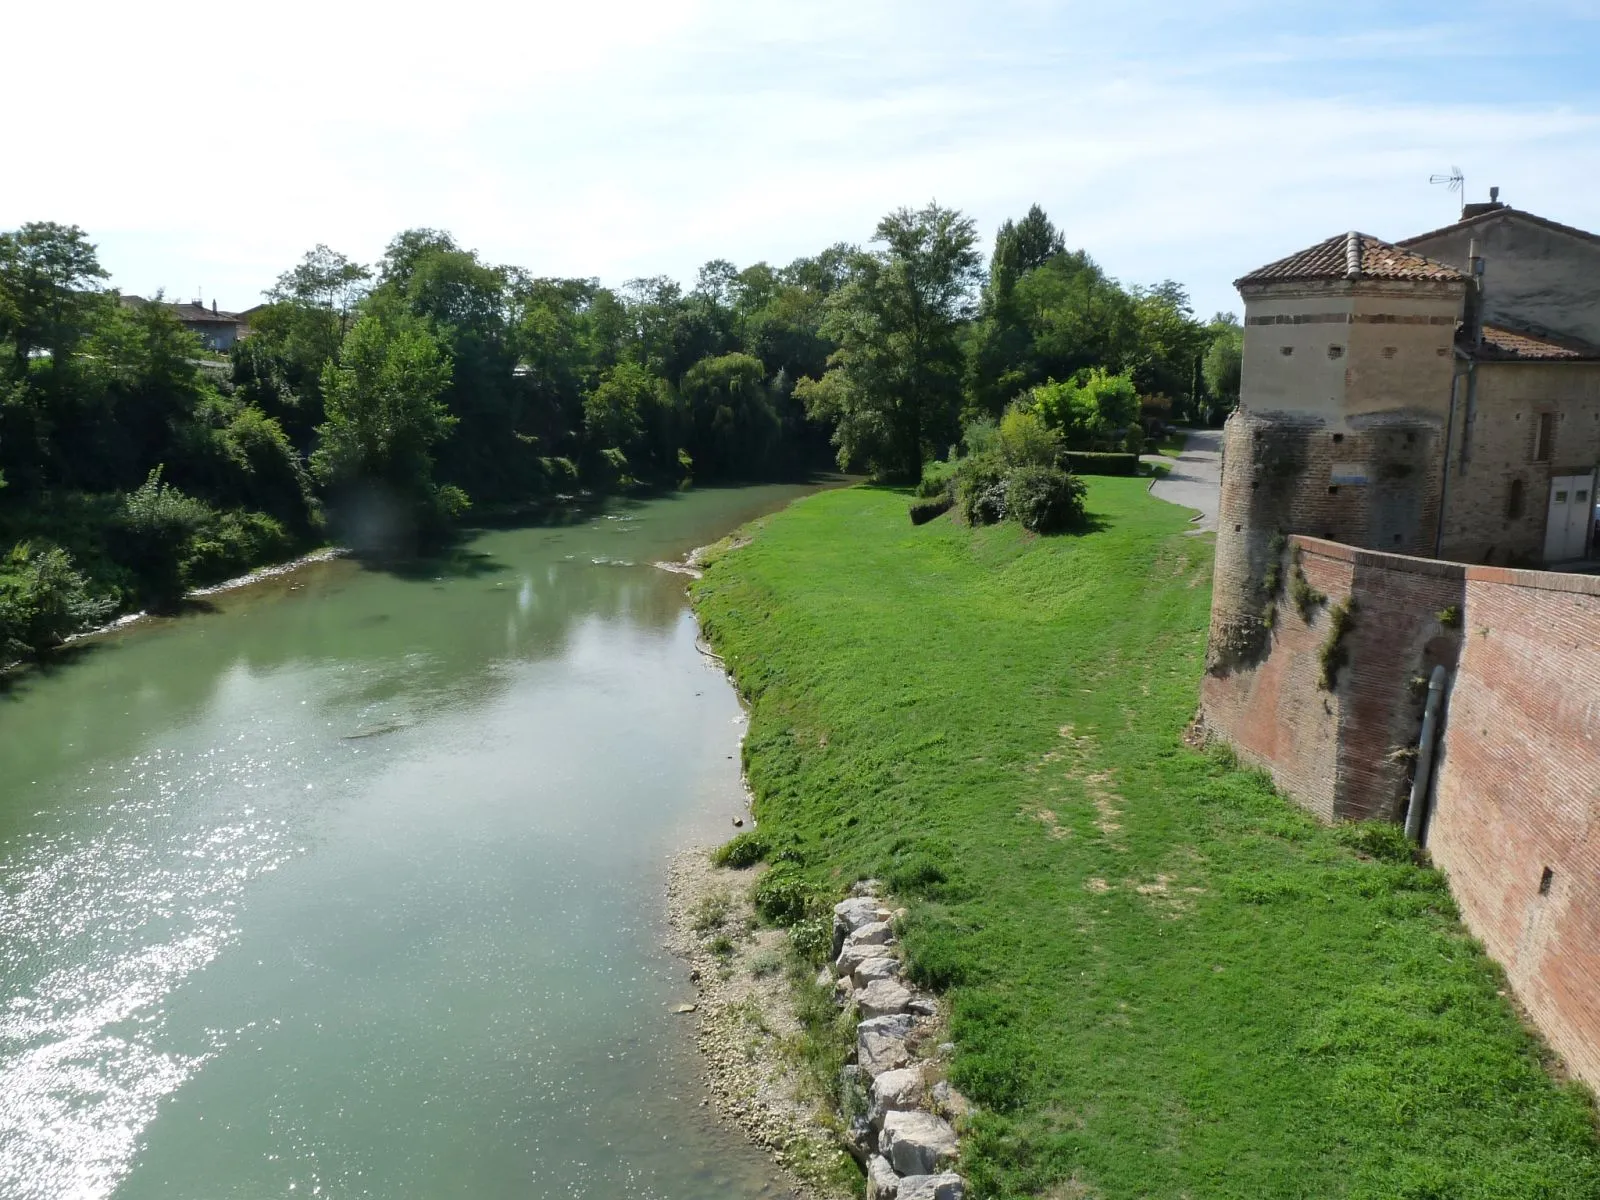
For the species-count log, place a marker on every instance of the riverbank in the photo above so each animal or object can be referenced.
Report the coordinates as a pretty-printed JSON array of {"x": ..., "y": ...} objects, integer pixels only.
[
  {"x": 747, "y": 1028},
  {"x": 1163, "y": 979}
]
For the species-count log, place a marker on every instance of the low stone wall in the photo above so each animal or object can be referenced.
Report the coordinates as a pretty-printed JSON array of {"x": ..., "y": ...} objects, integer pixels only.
[
  {"x": 1515, "y": 820},
  {"x": 905, "y": 1139}
]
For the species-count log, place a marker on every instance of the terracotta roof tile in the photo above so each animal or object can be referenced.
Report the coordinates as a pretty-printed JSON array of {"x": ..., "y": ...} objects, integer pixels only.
[
  {"x": 1510, "y": 345},
  {"x": 1351, "y": 256}
]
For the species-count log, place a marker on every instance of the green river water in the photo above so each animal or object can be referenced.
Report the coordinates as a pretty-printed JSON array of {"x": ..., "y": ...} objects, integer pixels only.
[{"x": 353, "y": 886}]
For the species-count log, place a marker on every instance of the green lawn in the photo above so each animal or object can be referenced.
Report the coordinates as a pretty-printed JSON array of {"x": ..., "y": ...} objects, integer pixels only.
[{"x": 1166, "y": 981}]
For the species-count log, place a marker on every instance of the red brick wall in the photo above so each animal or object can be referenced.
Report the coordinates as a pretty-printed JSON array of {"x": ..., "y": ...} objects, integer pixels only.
[
  {"x": 1517, "y": 788},
  {"x": 1518, "y": 792}
]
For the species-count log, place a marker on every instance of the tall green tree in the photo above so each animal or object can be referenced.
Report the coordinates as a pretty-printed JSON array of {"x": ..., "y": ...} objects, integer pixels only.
[
  {"x": 894, "y": 384},
  {"x": 1223, "y": 364},
  {"x": 384, "y": 421}
]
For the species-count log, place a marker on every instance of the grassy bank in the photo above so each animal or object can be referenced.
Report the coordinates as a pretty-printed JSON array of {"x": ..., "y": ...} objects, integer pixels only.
[{"x": 1165, "y": 980}]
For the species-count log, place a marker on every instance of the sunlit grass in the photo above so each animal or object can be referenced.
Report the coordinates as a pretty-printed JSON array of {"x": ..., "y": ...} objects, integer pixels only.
[{"x": 1166, "y": 980}]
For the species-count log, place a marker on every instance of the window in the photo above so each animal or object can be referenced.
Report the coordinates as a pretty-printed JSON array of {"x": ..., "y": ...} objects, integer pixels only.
[
  {"x": 1544, "y": 442},
  {"x": 1515, "y": 500}
]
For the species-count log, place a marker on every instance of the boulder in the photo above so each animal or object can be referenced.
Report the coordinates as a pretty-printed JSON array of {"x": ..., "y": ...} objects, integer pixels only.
[
  {"x": 882, "y": 1182},
  {"x": 896, "y": 1091},
  {"x": 825, "y": 978},
  {"x": 852, "y": 957},
  {"x": 865, "y": 887},
  {"x": 873, "y": 933},
  {"x": 948, "y": 1186},
  {"x": 850, "y": 915},
  {"x": 881, "y": 1044},
  {"x": 880, "y": 966},
  {"x": 843, "y": 991},
  {"x": 917, "y": 1143},
  {"x": 923, "y": 1006},
  {"x": 882, "y": 997}
]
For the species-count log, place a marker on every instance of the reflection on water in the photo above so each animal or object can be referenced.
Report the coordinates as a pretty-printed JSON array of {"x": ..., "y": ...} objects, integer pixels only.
[{"x": 350, "y": 887}]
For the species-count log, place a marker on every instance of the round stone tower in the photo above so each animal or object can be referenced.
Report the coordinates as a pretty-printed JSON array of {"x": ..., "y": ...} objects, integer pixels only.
[{"x": 1345, "y": 396}]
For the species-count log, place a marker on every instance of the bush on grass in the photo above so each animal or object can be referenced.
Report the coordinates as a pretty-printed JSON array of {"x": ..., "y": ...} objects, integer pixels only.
[
  {"x": 981, "y": 490},
  {"x": 744, "y": 850},
  {"x": 1044, "y": 499},
  {"x": 782, "y": 896}
]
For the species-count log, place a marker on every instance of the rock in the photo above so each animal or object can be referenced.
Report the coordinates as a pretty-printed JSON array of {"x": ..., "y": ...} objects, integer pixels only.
[
  {"x": 860, "y": 1134},
  {"x": 895, "y": 1091},
  {"x": 880, "y": 966},
  {"x": 685, "y": 1008},
  {"x": 949, "y": 1101},
  {"x": 946, "y": 1049},
  {"x": 852, "y": 957},
  {"x": 882, "y": 997},
  {"x": 923, "y": 1006},
  {"x": 881, "y": 1044},
  {"x": 825, "y": 978},
  {"x": 948, "y": 1186},
  {"x": 917, "y": 1143},
  {"x": 865, "y": 887},
  {"x": 850, "y": 915},
  {"x": 843, "y": 991},
  {"x": 882, "y": 1182},
  {"x": 738, "y": 822},
  {"x": 874, "y": 933}
]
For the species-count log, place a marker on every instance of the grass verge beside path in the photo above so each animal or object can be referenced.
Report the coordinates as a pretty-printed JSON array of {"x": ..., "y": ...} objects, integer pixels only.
[{"x": 1166, "y": 981}]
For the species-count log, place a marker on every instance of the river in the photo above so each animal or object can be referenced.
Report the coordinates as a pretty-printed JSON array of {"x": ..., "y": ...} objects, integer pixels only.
[{"x": 352, "y": 886}]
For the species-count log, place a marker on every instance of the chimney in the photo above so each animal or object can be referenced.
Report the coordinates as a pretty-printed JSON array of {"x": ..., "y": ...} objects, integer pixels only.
[
  {"x": 1477, "y": 210},
  {"x": 213, "y": 308},
  {"x": 1473, "y": 315}
]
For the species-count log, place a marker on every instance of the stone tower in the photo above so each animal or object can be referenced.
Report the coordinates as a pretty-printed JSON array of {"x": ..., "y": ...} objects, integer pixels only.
[{"x": 1344, "y": 403}]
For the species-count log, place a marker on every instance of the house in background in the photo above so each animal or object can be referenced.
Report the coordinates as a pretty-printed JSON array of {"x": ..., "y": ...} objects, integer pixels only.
[
  {"x": 217, "y": 330},
  {"x": 1437, "y": 397}
]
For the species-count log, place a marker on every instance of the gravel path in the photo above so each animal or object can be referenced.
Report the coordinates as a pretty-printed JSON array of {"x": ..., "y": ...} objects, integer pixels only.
[{"x": 1195, "y": 480}]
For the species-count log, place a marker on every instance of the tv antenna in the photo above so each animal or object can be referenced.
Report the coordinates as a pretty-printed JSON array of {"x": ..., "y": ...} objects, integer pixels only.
[{"x": 1456, "y": 181}]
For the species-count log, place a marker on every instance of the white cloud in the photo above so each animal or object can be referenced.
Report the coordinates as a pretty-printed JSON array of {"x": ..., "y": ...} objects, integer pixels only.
[{"x": 625, "y": 138}]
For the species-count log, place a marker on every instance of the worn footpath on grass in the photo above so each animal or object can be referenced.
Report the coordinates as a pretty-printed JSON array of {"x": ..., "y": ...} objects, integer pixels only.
[{"x": 1165, "y": 980}]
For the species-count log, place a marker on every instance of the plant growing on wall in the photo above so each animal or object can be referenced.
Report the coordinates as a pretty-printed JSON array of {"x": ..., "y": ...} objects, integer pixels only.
[{"x": 1334, "y": 653}]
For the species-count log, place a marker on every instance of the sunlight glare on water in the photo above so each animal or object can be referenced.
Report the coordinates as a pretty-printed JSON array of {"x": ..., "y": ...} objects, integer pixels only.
[{"x": 352, "y": 887}]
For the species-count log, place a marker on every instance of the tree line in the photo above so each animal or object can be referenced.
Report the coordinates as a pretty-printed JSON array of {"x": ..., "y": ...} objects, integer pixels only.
[{"x": 377, "y": 403}]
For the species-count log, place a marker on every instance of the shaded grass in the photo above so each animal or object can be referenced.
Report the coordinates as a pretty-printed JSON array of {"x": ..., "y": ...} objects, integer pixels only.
[{"x": 1164, "y": 979}]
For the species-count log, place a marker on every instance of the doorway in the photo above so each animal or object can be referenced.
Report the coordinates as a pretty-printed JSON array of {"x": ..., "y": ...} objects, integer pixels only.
[{"x": 1566, "y": 530}]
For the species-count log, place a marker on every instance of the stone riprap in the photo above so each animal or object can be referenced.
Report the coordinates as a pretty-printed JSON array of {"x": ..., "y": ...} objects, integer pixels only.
[{"x": 904, "y": 1146}]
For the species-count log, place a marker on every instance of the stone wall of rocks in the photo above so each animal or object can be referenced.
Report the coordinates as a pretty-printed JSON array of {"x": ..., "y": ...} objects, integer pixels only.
[{"x": 905, "y": 1139}]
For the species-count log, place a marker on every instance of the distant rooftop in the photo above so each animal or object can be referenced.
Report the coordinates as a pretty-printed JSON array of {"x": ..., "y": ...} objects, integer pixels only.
[
  {"x": 193, "y": 312},
  {"x": 1351, "y": 256}
]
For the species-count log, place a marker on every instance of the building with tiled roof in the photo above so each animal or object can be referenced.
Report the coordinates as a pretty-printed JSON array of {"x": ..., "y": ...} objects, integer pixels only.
[
  {"x": 216, "y": 328},
  {"x": 1438, "y": 396},
  {"x": 1350, "y": 256}
]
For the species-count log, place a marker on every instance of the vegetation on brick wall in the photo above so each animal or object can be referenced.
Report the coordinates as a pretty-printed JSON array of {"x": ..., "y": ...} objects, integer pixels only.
[{"x": 1334, "y": 654}]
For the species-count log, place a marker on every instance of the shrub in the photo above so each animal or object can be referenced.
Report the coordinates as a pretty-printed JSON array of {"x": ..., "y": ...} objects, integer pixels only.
[
  {"x": 1091, "y": 462},
  {"x": 744, "y": 850},
  {"x": 782, "y": 896},
  {"x": 230, "y": 543},
  {"x": 1044, "y": 499},
  {"x": 154, "y": 528},
  {"x": 1026, "y": 441},
  {"x": 812, "y": 938},
  {"x": 43, "y": 599},
  {"x": 981, "y": 490},
  {"x": 923, "y": 511}
]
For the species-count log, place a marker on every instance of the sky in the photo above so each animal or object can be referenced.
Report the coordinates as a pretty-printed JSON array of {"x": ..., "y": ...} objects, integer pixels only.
[{"x": 206, "y": 149}]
